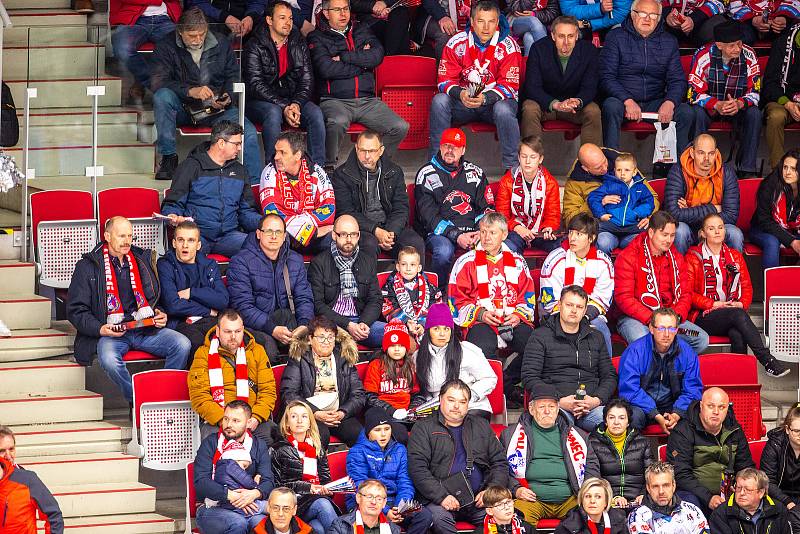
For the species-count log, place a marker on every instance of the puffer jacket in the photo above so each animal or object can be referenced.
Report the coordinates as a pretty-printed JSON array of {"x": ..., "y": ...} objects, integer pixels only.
[
  {"x": 262, "y": 389},
  {"x": 300, "y": 376},
  {"x": 774, "y": 463},
  {"x": 346, "y": 525},
  {"x": 367, "y": 460},
  {"x": 632, "y": 66},
  {"x": 86, "y": 307},
  {"x": 700, "y": 458},
  {"x": 625, "y": 474},
  {"x": 297, "y": 526},
  {"x": 218, "y": 198},
  {"x": 257, "y": 286},
  {"x": 22, "y": 497},
  {"x": 431, "y": 452},
  {"x": 576, "y": 523},
  {"x": 694, "y": 262},
  {"x": 637, "y": 202},
  {"x": 729, "y": 518},
  {"x": 210, "y": 294},
  {"x": 353, "y": 75},
  {"x": 551, "y": 358},
  {"x": 591, "y": 468},
  {"x": 261, "y": 70},
  {"x": 287, "y": 468}
]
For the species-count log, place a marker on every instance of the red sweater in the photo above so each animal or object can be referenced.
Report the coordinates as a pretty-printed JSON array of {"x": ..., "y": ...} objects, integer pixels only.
[
  {"x": 694, "y": 264},
  {"x": 398, "y": 394},
  {"x": 127, "y": 12}
]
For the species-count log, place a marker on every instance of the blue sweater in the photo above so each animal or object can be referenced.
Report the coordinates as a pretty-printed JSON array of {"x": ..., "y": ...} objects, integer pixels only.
[
  {"x": 204, "y": 279},
  {"x": 637, "y": 201},
  {"x": 367, "y": 460}
]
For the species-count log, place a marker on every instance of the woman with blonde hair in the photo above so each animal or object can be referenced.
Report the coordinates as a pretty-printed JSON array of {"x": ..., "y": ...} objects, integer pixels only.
[
  {"x": 299, "y": 462},
  {"x": 780, "y": 460},
  {"x": 594, "y": 514}
]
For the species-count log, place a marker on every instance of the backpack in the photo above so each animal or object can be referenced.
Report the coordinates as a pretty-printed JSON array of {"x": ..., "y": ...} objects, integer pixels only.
[{"x": 9, "y": 123}]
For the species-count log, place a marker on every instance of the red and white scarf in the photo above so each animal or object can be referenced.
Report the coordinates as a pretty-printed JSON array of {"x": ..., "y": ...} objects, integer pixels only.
[
  {"x": 527, "y": 200},
  {"x": 215, "y": 374},
  {"x": 383, "y": 522},
  {"x": 652, "y": 296},
  {"x": 304, "y": 186},
  {"x": 718, "y": 283},
  {"x": 780, "y": 213},
  {"x": 606, "y": 525},
  {"x": 224, "y": 444},
  {"x": 113, "y": 302},
  {"x": 412, "y": 309},
  {"x": 517, "y": 454},
  {"x": 490, "y": 525},
  {"x": 506, "y": 267},
  {"x": 587, "y": 269},
  {"x": 308, "y": 454}
]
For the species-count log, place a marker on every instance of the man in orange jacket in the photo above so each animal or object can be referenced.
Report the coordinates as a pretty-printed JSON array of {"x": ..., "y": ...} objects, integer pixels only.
[{"x": 24, "y": 495}]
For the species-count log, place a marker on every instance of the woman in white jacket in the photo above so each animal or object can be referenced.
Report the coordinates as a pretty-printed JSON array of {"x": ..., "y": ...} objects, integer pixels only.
[{"x": 442, "y": 356}]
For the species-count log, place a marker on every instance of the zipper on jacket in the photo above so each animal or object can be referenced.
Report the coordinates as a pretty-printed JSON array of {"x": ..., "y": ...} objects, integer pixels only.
[
  {"x": 5, "y": 511},
  {"x": 627, "y": 201}
]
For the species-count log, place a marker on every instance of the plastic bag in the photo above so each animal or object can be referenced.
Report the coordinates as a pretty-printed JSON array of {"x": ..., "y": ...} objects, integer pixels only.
[{"x": 666, "y": 148}]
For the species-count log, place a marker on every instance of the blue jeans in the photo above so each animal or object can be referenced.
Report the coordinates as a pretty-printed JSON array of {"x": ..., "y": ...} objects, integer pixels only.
[
  {"x": 770, "y": 247},
  {"x": 531, "y": 29},
  {"x": 270, "y": 116},
  {"x": 442, "y": 250},
  {"x": 518, "y": 245},
  {"x": 320, "y": 515},
  {"x": 227, "y": 244},
  {"x": 748, "y": 129},
  {"x": 608, "y": 241},
  {"x": 632, "y": 329},
  {"x": 127, "y": 39},
  {"x": 613, "y": 114},
  {"x": 161, "y": 342},
  {"x": 685, "y": 237},
  {"x": 169, "y": 113},
  {"x": 218, "y": 520},
  {"x": 589, "y": 421},
  {"x": 375, "y": 337},
  {"x": 447, "y": 111}
]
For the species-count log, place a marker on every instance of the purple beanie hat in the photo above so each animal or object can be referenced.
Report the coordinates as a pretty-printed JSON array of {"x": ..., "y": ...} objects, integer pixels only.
[{"x": 439, "y": 315}]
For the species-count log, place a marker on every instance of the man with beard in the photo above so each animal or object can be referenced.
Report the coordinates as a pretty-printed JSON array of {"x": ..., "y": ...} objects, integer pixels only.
[{"x": 661, "y": 510}]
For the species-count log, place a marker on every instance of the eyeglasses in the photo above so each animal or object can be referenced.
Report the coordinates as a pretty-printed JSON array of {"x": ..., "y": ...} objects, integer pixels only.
[
  {"x": 644, "y": 15},
  {"x": 373, "y": 498},
  {"x": 325, "y": 339},
  {"x": 285, "y": 509},
  {"x": 665, "y": 329},
  {"x": 742, "y": 489},
  {"x": 271, "y": 233},
  {"x": 339, "y": 10},
  {"x": 237, "y": 143},
  {"x": 504, "y": 504},
  {"x": 348, "y": 235}
]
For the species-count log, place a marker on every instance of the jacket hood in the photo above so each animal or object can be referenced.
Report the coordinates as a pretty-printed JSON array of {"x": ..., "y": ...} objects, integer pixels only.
[
  {"x": 8, "y": 468},
  {"x": 200, "y": 155},
  {"x": 301, "y": 344},
  {"x": 249, "y": 340},
  {"x": 687, "y": 166},
  {"x": 627, "y": 24},
  {"x": 504, "y": 27},
  {"x": 251, "y": 244}
]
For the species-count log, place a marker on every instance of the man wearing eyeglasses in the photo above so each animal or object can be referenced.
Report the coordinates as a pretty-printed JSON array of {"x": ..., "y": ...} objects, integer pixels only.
[
  {"x": 659, "y": 374},
  {"x": 282, "y": 517},
  {"x": 640, "y": 71},
  {"x": 212, "y": 188},
  {"x": 368, "y": 517},
  {"x": 345, "y": 285},
  {"x": 268, "y": 285},
  {"x": 750, "y": 510}
]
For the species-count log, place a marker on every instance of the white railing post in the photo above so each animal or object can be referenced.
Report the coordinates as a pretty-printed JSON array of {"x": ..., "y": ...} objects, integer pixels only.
[
  {"x": 30, "y": 174},
  {"x": 95, "y": 91}
]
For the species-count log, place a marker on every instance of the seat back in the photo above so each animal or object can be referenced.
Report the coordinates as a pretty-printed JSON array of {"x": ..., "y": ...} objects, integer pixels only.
[
  {"x": 361, "y": 369},
  {"x": 737, "y": 374},
  {"x": 64, "y": 228},
  {"x": 412, "y": 208},
  {"x": 277, "y": 372},
  {"x": 497, "y": 397},
  {"x": 658, "y": 186},
  {"x": 686, "y": 64},
  {"x": 748, "y": 189},
  {"x": 337, "y": 462},
  {"x": 756, "y": 449},
  {"x": 256, "y": 191},
  {"x": 662, "y": 453},
  {"x": 191, "y": 498},
  {"x": 138, "y": 205},
  {"x": 164, "y": 422},
  {"x": 407, "y": 85},
  {"x": 782, "y": 309}
]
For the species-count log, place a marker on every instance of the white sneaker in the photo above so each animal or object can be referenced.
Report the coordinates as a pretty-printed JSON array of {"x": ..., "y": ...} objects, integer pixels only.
[{"x": 4, "y": 331}]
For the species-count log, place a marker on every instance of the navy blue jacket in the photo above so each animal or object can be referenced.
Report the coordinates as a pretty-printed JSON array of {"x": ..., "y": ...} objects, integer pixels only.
[
  {"x": 367, "y": 460},
  {"x": 545, "y": 81},
  {"x": 257, "y": 287},
  {"x": 218, "y": 10},
  {"x": 638, "y": 363},
  {"x": 231, "y": 474},
  {"x": 637, "y": 200},
  {"x": 210, "y": 294},
  {"x": 346, "y": 523},
  {"x": 675, "y": 189},
  {"x": 208, "y": 488},
  {"x": 643, "y": 69},
  {"x": 219, "y": 199}
]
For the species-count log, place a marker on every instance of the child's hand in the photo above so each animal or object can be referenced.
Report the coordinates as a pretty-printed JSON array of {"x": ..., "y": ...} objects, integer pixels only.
[
  {"x": 257, "y": 479},
  {"x": 606, "y": 217}
]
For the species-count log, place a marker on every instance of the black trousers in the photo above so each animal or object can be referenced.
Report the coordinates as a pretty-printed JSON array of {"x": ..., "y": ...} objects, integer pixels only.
[
  {"x": 485, "y": 338},
  {"x": 407, "y": 238},
  {"x": 348, "y": 430},
  {"x": 392, "y": 32},
  {"x": 737, "y": 325},
  {"x": 196, "y": 332}
]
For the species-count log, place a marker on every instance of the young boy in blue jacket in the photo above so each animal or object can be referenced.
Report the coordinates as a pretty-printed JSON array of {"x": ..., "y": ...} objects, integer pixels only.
[
  {"x": 626, "y": 213},
  {"x": 376, "y": 455}
]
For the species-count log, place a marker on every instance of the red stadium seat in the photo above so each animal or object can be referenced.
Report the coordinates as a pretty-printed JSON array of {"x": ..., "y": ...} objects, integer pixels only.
[
  {"x": 138, "y": 205},
  {"x": 756, "y": 448},
  {"x": 337, "y": 462},
  {"x": 780, "y": 314},
  {"x": 407, "y": 85},
  {"x": 497, "y": 399},
  {"x": 277, "y": 372},
  {"x": 191, "y": 499},
  {"x": 139, "y": 356},
  {"x": 658, "y": 186}
]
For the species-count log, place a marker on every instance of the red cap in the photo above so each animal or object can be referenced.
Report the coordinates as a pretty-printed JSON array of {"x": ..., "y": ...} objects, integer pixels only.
[
  {"x": 395, "y": 333},
  {"x": 455, "y": 137}
]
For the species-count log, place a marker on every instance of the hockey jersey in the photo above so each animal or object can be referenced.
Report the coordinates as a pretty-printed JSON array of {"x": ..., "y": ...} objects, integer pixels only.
[
  {"x": 710, "y": 81},
  {"x": 747, "y": 9},
  {"x": 561, "y": 268},
  {"x": 685, "y": 519}
]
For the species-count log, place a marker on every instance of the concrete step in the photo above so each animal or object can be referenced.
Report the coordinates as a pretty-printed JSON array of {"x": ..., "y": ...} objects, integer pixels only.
[
  {"x": 62, "y": 5},
  {"x": 104, "y": 499},
  {"x": 120, "y": 524},
  {"x": 42, "y": 376},
  {"x": 21, "y": 312},
  {"x": 39, "y": 61},
  {"x": 54, "y": 136},
  {"x": 17, "y": 277},
  {"x": 80, "y": 469},
  {"x": 122, "y": 158},
  {"x": 37, "y": 36},
  {"x": 69, "y": 92},
  {"x": 26, "y": 345},
  {"x": 47, "y": 16},
  {"x": 81, "y": 117},
  {"x": 35, "y": 441},
  {"x": 50, "y": 407}
]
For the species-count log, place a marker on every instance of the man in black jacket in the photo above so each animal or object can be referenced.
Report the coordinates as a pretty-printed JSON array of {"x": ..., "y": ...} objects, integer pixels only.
[
  {"x": 389, "y": 20},
  {"x": 566, "y": 352},
  {"x": 278, "y": 73},
  {"x": 345, "y": 55},
  {"x": 780, "y": 86},
  {"x": 449, "y": 446},
  {"x": 194, "y": 66},
  {"x": 703, "y": 445},
  {"x": 749, "y": 510},
  {"x": 372, "y": 189},
  {"x": 345, "y": 285},
  {"x": 113, "y": 285},
  {"x": 561, "y": 82}
]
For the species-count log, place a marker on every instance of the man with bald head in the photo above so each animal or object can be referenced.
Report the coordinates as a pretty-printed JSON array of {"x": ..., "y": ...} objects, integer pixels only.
[
  {"x": 345, "y": 285},
  {"x": 586, "y": 175},
  {"x": 700, "y": 185},
  {"x": 701, "y": 447},
  {"x": 112, "y": 298}
]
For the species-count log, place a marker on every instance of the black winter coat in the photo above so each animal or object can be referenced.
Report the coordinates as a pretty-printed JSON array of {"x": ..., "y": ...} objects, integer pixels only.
[
  {"x": 300, "y": 378},
  {"x": 431, "y": 451},
  {"x": 576, "y": 522},
  {"x": 287, "y": 469},
  {"x": 775, "y": 71},
  {"x": 626, "y": 477},
  {"x": 773, "y": 463},
  {"x": 763, "y": 217},
  {"x": 323, "y": 275},
  {"x": 260, "y": 66},
  {"x": 86, "y": 306},
  {"x": 349, "y": 187},
  {"x": 551, "y": 358},
  {"x": 353, "y": 75},
  {"x": 730, "y": 519}
]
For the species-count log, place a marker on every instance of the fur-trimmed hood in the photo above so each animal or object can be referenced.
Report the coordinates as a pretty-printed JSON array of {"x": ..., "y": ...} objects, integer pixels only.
[{"x": 345, "y": 345}]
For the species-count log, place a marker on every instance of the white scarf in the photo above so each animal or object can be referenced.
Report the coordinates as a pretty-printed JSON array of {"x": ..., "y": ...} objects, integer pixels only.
[
  {"x": 487, "y": 295},
  {"x": 517, "y": 454},
  {"x": 384, "y": 524},
  {"x": 215, "y": 379},
  {"x": 527, "y": 200}
]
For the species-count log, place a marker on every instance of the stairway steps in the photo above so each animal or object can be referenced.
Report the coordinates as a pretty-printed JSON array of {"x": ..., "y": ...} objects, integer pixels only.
[
  {"x": 104, "y": 499},
  {"x": 79, "y": 469},
  {"x": 45, "y": 17},
  {"x": 24, "y": 345},
  {"x": 37, "y": 36},
  {"x": 36, "y": 441},
  {"x": 41, "y": 376},
  {"x": 20, "y": 312},
  {"x": 17, "y": 276},
  {"x": 62, "y": 5},
  {"x": 57, "y": 136},
  {"x": 50, "y": 61},
  {"x": 66, "y": 93},
  {"x": 50, "y": 407},
  {"x": 80, "y": 116},
  {"x": 119, "y": 524},
  {"x": 123, "y": 158}
]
